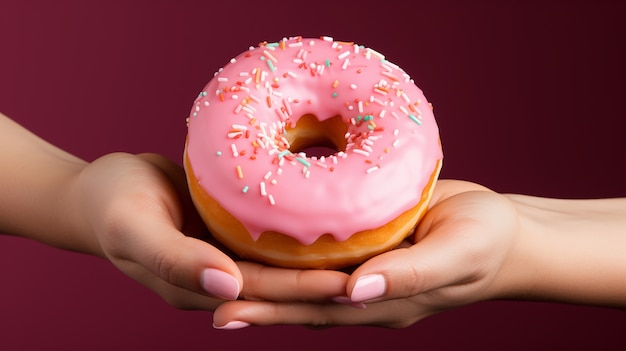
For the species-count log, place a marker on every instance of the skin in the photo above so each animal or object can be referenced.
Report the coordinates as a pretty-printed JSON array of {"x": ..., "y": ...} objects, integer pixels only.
[
  {"x": 133, "y": 210},
  {"x": 472, "y": 245}
]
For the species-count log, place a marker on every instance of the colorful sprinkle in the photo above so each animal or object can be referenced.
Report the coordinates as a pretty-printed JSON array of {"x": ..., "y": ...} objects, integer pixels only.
[
  {"x": 415, "y": 119},
  {"x": 239, "y": 172},
  {"x": 303, "y": 161}
]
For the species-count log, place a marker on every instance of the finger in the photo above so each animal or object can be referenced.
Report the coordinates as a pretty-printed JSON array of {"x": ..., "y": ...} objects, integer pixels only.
[
  {"x": 279, "y": 284},
  {"x": 449, "y": 255},
  {"x": 145, "y": 228},
  {"x": 180, "y": 260},
  {"x": 175, "y": 296},
  {"x": 392, "y": 314}
]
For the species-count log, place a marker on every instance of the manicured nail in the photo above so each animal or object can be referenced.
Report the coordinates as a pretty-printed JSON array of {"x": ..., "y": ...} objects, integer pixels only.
[
  {"x": 219, "y": 283},
  {"x": 344, "y": 300},
  {"x": 368, "y": 287},
  {"x": 232, "y": 325}
]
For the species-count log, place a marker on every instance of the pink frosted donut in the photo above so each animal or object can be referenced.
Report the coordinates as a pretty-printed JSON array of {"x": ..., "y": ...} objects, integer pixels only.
[{"x": 311, "y": 153}]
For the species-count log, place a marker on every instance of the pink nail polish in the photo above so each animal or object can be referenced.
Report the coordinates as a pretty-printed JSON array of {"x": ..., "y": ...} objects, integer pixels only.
[
  {"x": 219, "y": 284},
  {"x": 344, "y": 300},
  {"x": 232, "y": 325},
  {"x": 368, "y": 287}
]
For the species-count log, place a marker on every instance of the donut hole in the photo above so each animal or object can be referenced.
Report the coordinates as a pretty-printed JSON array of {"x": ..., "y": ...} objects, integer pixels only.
[{"x": 316, "y": 138}]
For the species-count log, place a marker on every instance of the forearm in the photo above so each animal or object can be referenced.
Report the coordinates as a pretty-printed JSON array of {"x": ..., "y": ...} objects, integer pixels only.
[
  {"x": 569, "y": 251},
  {"x": 36, "y": 190}
]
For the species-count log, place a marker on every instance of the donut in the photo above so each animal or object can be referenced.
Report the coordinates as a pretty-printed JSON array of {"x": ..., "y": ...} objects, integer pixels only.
[{"x": 311, "y": 153}]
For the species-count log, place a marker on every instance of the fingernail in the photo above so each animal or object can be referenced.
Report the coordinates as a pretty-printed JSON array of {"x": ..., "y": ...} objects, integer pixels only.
[
  {"x": 368, "y": 287},
  {"x": 344, "y": 300},
  {"x": 232, "y": 325},
  {"x": 219, "y": 283}
]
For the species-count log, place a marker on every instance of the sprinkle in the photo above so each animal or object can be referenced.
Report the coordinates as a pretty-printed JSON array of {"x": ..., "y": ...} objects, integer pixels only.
[
  {"x": 395, "y": 143},
  {"x": 343, "y": 55},
  {"x": 326, "y": 38},
  {"x": 281, "y": 114},
  {"x": 415, "y": 119},
  {"x": 335, "y": 83},
  {"x": 345, "y": 64},
  {"x": 270, "y": 56},
  {"x": 291, "y": 74},
  {"x": 254, "y": 98},
  {"x": 327, "y": 63},
  {"x": 389, "y": 75},
  {"x": 222, "y": 79},
  {"x": 234, "y": 135},
  {"x": 287, "y": 107},
  {"x": 380, "y": 90},
  {"x": 262, "y": 186},
  {"x": 406, "y": 98},
  {"x": 378, "y": 55},
  {"x": 353, "y": 86},
  {"x": 372, "y": 169},
  {"x": 271, "y": 200},
  {"x": 267, "y": 175},
  {"x": 361, "y": 152},
  {"x": 233, "y": 147},
  {"x": 219, "y": 153},
  {"x": 239, "y": 172},
  {"x": 283, "y": 153},
  {"x": 293, "y": 45},
  {"x": 271, "y": 65},
  {"x": 245, "y": 189},
  {"x": 303, "y": 161}
]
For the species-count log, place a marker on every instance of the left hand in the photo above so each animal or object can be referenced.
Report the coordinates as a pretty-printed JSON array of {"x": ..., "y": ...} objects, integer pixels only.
[
  {"x": 144, "y": 222},
  {"x": 140, "y": 212}
]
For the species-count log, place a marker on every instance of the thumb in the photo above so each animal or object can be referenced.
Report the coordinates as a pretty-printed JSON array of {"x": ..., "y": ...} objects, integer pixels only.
[
  {"x": 448, "y": 254},
  {"x": 403, "y": 273}
]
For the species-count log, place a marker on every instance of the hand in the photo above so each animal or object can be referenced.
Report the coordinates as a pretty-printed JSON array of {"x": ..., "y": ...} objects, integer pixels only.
[
  {"x": 139, "y": 209},
  {"x": 145, "y": 222},
  {"x": 460, "y": 248}
]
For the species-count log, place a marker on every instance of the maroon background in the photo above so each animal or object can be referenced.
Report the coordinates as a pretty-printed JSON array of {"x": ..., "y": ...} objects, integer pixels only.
[{"x": 530, "y": 98}]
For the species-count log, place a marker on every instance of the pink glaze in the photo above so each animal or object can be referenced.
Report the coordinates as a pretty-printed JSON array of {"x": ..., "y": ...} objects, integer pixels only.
[{"x": 237, "y": 152}]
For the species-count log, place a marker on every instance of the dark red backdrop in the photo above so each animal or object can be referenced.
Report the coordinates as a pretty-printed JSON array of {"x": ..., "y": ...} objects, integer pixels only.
[{"x": 530, "y": 98}]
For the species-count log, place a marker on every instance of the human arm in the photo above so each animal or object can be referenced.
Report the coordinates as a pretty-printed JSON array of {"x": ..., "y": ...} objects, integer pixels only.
[
  {"x": 474, "y": 245},
  {"x": 130, "y": 209},
  {"x": 134, "y": 210}
]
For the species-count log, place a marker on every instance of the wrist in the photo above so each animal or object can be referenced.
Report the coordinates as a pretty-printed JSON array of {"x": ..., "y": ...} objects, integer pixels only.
[{"x": 567, "y": 251}]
